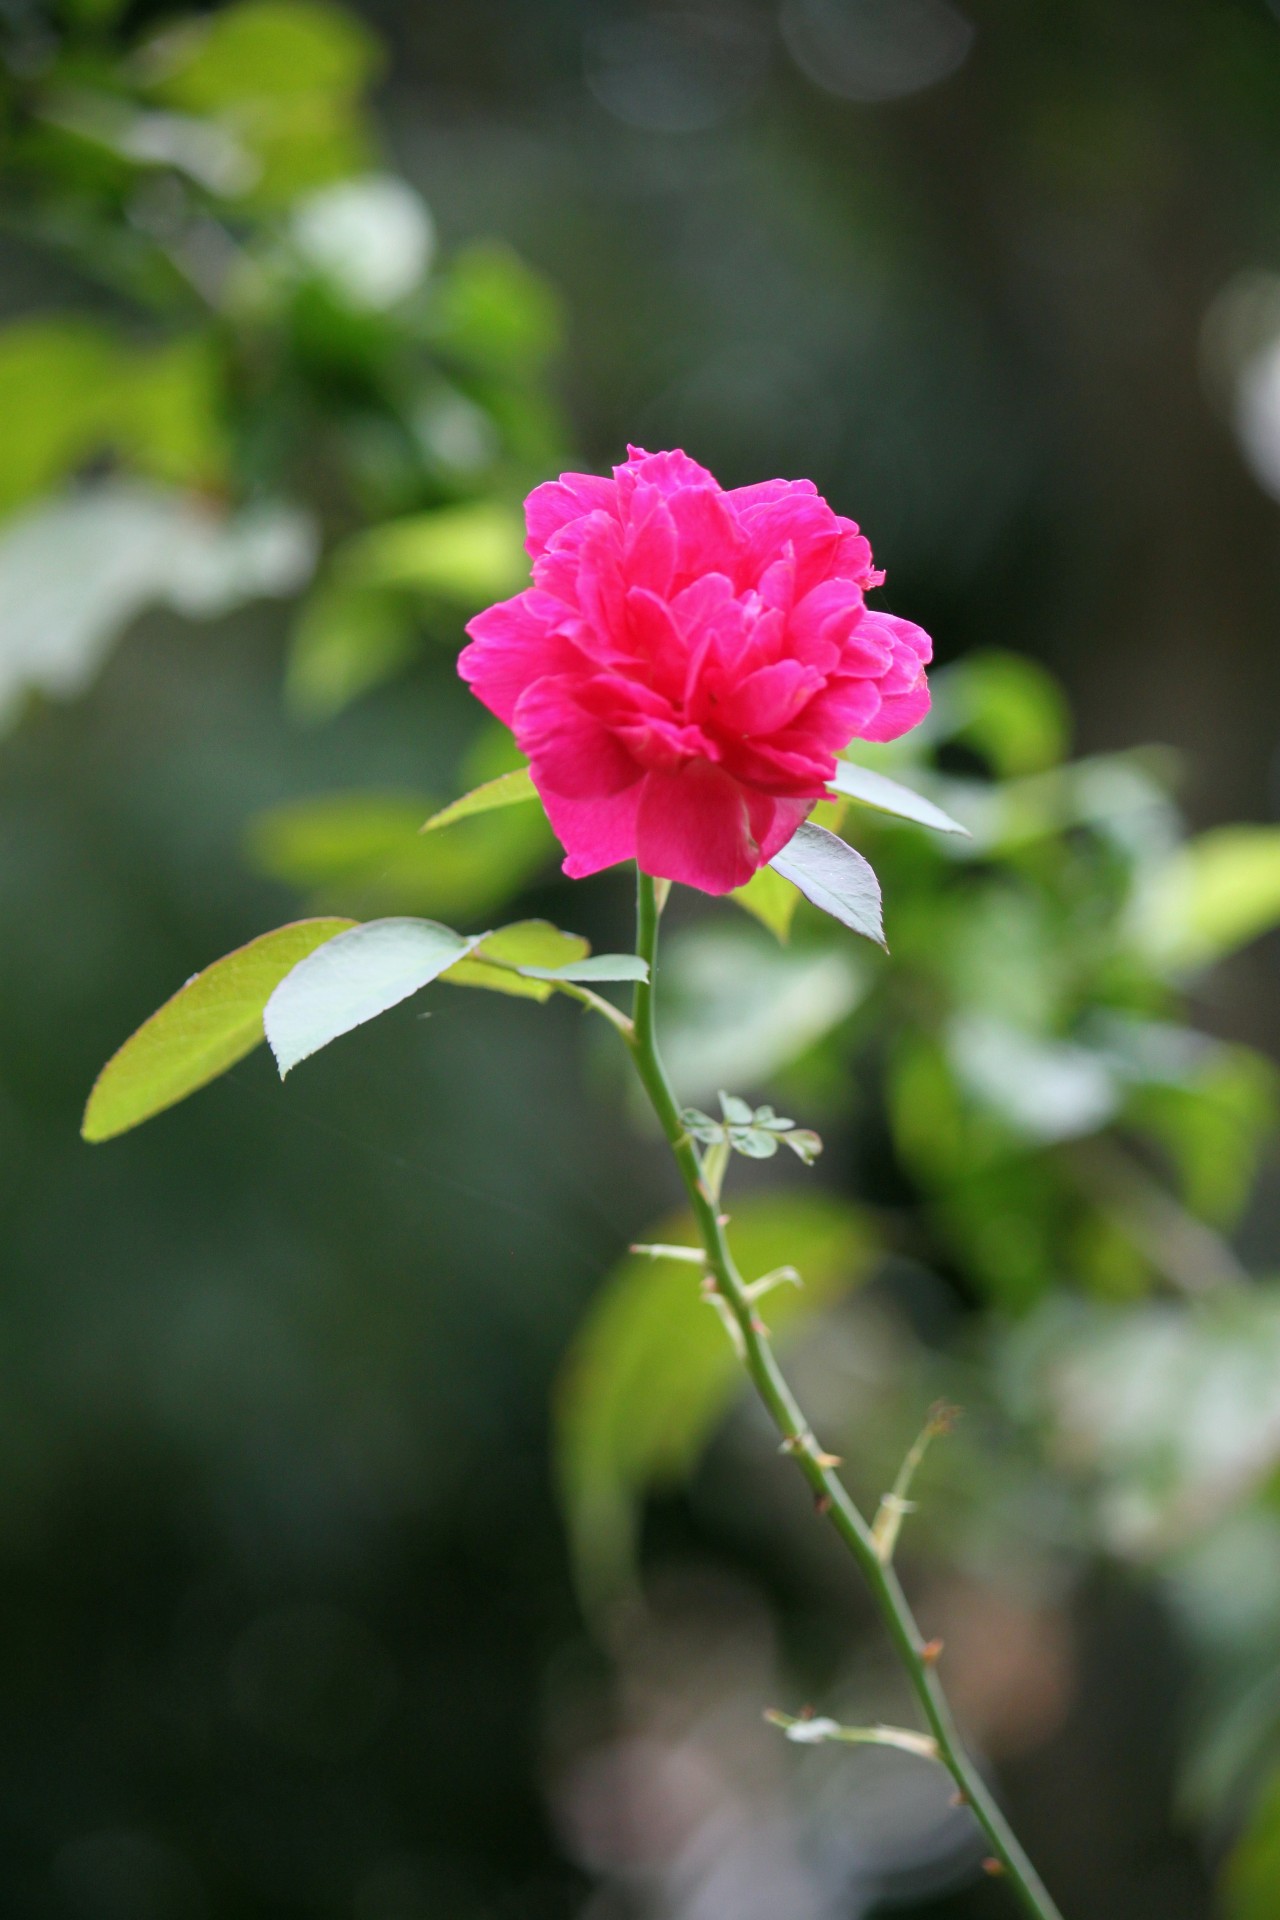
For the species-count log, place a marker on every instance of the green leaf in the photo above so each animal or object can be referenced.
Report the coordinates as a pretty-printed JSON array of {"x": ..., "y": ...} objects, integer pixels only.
[
  {"x": 771, "y": 899},
  {"x": 887, "y": 796},
  {"x": 600, "y": 966},
  {"x": 1218, "y": 892},
  {"x": 493, "y": 311},
  {"x": 285, "y": 77},
  {"x": 833, "y": 877},
  {"x": 466, "y": 555},
  {"x": 346, "y": 641},
  {"x": 353, "y": 979},
  {"x": 363, "y": 852},
  {"x": 1253, "y": 1870},
  {"x": 54, "y": 375},
  {"x": 1006, "y": 706},
  {"x": 525, "y": 944},
  {"x": 652, "y": 1371},
  {"x": 508, "y": 790},
  {"x": 264, "y": 48},
  {"x": 208, "y": 1025}
]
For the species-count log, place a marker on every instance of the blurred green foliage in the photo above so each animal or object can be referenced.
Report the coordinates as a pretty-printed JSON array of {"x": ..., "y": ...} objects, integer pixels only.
[{"x": 277, "y": 333}]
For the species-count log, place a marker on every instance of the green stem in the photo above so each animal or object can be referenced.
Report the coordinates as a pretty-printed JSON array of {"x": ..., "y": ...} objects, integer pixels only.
[{"x": 798, "y": 1439}]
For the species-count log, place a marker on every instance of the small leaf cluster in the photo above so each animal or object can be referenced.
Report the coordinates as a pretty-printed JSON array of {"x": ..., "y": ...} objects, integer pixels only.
[
  {"x": 296, "y": 395},
  {"x": 755, "y": 1132}
]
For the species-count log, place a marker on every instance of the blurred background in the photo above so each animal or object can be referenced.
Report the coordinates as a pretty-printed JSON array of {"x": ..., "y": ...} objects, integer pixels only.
[{"x": 377, "y": 1539}]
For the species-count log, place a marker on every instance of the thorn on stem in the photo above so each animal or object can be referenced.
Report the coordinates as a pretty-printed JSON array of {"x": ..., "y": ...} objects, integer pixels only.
[
  {"x": 823, "y": 1504},
  {"x": 959, "y": 1798},
  {"x": 993, "y": 1866},
  {"x": 931, "y": 1652}
]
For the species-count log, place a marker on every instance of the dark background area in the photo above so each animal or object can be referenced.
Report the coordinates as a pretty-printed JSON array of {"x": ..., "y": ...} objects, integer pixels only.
[{"x": 286, "y": 1625}]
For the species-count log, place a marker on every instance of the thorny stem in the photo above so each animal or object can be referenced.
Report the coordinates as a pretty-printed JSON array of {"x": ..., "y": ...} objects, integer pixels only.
[{"x": 830, "y": 1496}]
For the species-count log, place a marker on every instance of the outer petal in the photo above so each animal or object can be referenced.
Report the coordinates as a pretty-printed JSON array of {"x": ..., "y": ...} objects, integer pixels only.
[
  {"x": 803, "y": 521},
  {"x": 571, "y": 750},
  {"x": 594, "y": 833},
  {"x": 845, "y": 709},
  {"x": 899, "y": 712},
  {"x": 897, "y": 634},
  {"x": 514, "y": 644},
  {"x": 666, "y": 471},
  {"x": 787, "y": 816},
  {"x": 550, "y": 506},
  {"x": 763, "y": 492},
  {"x": 695, "y": 826}
]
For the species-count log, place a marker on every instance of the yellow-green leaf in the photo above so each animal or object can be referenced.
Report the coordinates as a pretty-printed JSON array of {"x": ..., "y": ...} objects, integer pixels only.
[
  {"x": 771, "y": 899},
  {"x": 1218, "y": 892},
  {"x": 508, "y": 790},
  {"x": 465, "y": 555},
  {"x": 526, "y": 943},
  {"x": 208, "y": 1025}
]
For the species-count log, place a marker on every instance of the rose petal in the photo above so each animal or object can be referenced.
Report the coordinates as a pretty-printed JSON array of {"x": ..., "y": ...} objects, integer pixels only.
[
  {"x": 570, "y": 750},
  {"x": 594, "y": 833},
  {"x": 516, "y": 641},
  {"x": 695, "y": 826},
  {"x": 555, "y": 502}
]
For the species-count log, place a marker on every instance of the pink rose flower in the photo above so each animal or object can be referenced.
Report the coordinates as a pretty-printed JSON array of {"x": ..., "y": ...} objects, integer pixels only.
[{"x": 687, "y": 663}]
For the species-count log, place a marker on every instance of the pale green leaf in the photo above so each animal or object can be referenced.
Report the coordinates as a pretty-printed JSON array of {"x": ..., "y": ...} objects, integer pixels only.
[
  {"x": 652, "y": 1370},
  {"x": 600, "y": 966},
  {"x": 740, "y": 1008},
  {"x": 876, "y": 790},
  {"x": 134, "y": 546},
  {"x": 833, "y": 877},
  {"x": 526, "y": 943},
  {"x": 770, "y": 898},
  {"x": 353, "y": 979},
  {"x": 208, "y": 1025},
  {"x": 493, "y": 310},
  {"x": 508, "y": 790},
  {"x": 369, "y": 239}
]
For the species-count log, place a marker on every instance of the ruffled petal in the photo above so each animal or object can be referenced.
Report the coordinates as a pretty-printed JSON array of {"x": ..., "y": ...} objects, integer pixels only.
[
  {"x": 571, "y": 750},
  {"x": 513, "y": 643},
  {"x": 695, "y": 826},
  {"x": 666, "y": 471},
  {"x": 594, "y": 833},
  {"x": 556, "y": 502},
  {"x": 899, "y": 712},
  {"x": 770, "y": 698}
]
